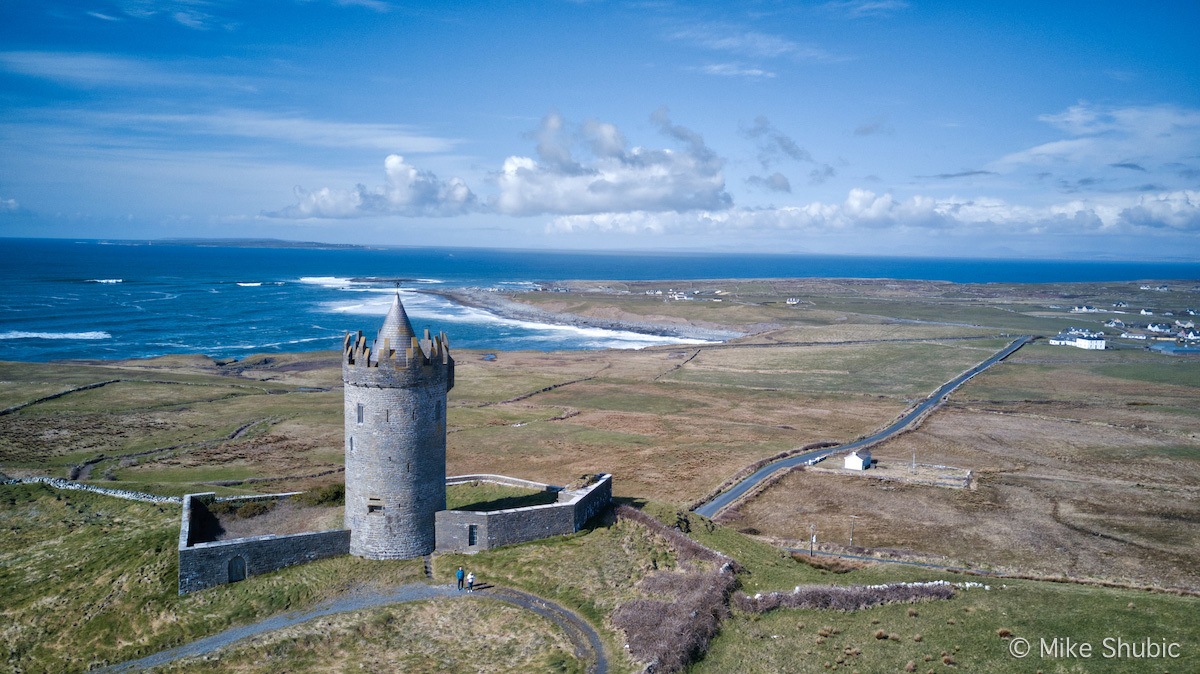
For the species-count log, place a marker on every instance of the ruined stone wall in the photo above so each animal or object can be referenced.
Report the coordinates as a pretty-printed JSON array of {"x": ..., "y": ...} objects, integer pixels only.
[{"x": 204, "y": 565}]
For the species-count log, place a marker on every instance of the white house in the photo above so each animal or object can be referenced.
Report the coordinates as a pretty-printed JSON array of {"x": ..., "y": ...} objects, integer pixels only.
[
  {"x": 859, "y": 459},
  {"x": 1146, "y": 312},
  {"x": 1115, "y": 323},
  {"x": 1084, "y": 309},
  {"x": 1079, "y": 338}
]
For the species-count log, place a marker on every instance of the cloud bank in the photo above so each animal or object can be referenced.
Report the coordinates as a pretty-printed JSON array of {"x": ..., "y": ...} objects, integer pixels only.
[
  {"x": 864, "y": 211},
  {"x": 407, "y": 191},
  {"x": 615, "y": 177}
]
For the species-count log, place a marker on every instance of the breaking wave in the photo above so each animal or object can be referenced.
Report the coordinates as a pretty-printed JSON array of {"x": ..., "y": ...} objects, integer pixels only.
[{"x": 20, "y": 334}]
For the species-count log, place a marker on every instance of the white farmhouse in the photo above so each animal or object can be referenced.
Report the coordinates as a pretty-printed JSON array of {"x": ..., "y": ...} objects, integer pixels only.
[{"x": 859, "y": 459}]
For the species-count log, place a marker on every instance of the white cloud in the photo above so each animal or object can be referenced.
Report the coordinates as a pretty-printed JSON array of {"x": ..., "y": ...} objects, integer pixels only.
[
  {"x": 9, "y": 206},
  {"x": 614, "y": 179},
  {"x": 735, "y": 40},
  {"x": 736, "y": 70},
  {"x": 1100, "y": 136},
  {"x": 85, "y": 70},
  {"x": 1178, "y": 211},
  {"x": 858, "y": 9},
  {"x": 407, "y": 191},
  {"x": 377, "y": 5},
  {"x": 297, "y": 130}
]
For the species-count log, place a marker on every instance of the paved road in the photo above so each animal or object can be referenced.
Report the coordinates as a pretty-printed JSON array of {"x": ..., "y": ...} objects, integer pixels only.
[
  {"x": 723, "y": 499},
  {"x": 588, "y": 647}
]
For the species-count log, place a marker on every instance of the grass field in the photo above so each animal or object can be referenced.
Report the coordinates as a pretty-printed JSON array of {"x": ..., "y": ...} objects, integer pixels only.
[{"x": 454, "y": 636}]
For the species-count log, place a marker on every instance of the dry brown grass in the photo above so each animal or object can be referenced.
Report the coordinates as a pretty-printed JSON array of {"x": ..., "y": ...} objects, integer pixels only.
[{"x": 1071, "y": 481}]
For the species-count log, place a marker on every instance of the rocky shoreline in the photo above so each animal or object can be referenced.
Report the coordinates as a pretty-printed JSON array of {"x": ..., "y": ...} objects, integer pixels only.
[{"x": 501, "y": 304}]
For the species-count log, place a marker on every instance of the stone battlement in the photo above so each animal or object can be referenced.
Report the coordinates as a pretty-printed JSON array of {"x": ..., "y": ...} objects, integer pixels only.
[{"x": 422, "y": 360}]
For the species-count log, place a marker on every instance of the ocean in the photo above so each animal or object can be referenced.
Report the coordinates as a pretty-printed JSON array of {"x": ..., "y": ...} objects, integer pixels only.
[{"x": 110, "y": 300}]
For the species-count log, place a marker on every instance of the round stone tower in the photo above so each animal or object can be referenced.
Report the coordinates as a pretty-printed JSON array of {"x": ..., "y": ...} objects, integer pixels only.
[{"x": 395, "y": 427}]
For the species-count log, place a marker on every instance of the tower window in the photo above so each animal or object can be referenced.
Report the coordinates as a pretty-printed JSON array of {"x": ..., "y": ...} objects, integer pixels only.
[
  {"x": 352, "y": 443},
  {"x": 472, "y": 534},
  {"x": 374, "y": 505},
  {"x": 362, "y": 412}
]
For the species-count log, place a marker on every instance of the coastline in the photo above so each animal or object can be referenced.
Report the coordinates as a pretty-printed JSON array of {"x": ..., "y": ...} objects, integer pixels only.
[{"x": 500, "y": 304}]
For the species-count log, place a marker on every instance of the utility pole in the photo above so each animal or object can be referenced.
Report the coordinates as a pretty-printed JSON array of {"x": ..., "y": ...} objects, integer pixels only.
[
  {"x": 852, "y": 518},
  {"x": 812, "y": 538},
  {"x": 914, "y": 463}
]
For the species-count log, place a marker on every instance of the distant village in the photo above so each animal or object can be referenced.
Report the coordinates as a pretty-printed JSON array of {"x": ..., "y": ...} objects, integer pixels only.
[{"x": 1166, "y": 330}]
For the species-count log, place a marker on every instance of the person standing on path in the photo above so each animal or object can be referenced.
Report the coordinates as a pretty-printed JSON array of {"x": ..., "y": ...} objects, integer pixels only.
[
  {"x": 459, "y": 575},
  {"x": 471, "y": 582}
]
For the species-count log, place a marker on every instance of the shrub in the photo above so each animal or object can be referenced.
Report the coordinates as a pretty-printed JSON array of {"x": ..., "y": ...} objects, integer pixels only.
[
  {"x": 255, "y": 508},
  {"x": 1004, "y": 633},
  {"x": 674, "y": 633},
  {"x": 328, "y": 495}
]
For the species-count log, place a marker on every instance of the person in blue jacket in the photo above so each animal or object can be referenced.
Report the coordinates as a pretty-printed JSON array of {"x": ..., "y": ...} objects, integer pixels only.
[{"x": 460, "y": 574}]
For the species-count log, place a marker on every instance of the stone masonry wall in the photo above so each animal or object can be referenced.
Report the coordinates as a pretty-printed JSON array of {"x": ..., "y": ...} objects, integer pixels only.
[
  {"x": 517, "y": 525},
  {"x": 204, "y": 565},
  {"x": 395, "y": 468}
]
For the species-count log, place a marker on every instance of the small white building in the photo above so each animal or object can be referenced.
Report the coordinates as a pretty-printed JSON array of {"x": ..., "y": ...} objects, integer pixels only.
[
  {"x": 1079, "y": 338},
  {"x": 859, "y": 459}
]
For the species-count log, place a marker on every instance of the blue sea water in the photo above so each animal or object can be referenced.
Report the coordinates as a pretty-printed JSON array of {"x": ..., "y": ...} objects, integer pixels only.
[{"x": 92, "y": 299}]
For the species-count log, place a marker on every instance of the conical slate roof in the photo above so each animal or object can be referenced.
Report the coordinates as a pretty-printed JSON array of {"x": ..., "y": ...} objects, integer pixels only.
[{"x": 396, "y": 328}]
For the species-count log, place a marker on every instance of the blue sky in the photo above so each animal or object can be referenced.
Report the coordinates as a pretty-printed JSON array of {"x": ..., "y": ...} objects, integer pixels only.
[{"x": 1048, "y": 129}]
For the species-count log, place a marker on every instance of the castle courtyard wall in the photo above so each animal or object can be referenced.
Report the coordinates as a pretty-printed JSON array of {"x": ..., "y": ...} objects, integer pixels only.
[
  {"x": 207, "y": 564},
  {"x": 496, "y": 528}
]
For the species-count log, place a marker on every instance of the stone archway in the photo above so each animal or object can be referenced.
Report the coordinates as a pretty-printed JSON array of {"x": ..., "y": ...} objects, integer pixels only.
[{"x": 237, "y": 569}]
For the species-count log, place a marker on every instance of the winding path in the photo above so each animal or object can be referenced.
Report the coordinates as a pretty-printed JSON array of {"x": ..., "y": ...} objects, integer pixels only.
[
  {"x": 588, "y": 647},
  {"x": 726, "y": 498}
]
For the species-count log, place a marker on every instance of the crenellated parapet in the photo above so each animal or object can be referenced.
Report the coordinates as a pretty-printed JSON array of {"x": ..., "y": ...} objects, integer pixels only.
[{"x": 419, "y": 362}]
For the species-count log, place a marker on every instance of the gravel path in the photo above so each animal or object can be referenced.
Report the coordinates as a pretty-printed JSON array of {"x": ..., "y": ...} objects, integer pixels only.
[{"x": 586, "y": 641}]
